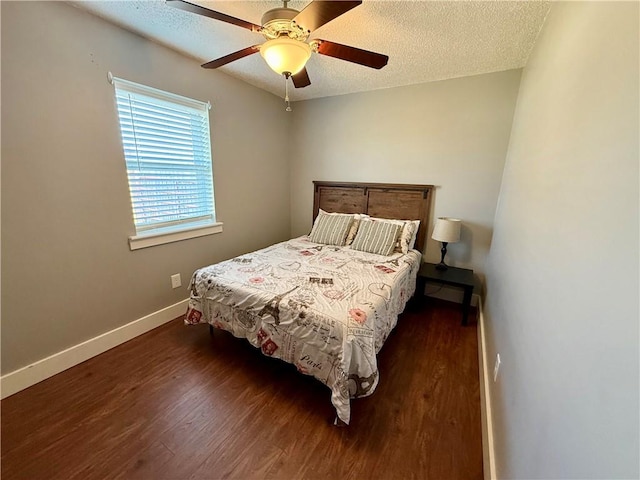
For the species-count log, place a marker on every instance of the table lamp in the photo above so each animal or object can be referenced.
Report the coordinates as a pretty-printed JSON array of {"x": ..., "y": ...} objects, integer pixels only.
[{"x": 446, "y": 230}]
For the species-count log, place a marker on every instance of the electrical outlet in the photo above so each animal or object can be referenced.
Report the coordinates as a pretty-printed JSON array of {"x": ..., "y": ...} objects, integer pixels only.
[
  {"x": 496, "y": 368},
  {"x": 176, "y": 281}
]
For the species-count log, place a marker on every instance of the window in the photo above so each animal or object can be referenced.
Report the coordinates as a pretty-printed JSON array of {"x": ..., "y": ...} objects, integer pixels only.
[{"x": 167, "y": 152}]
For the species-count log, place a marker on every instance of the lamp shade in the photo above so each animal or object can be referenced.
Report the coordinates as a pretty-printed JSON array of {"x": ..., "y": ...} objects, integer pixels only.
[
  {"x": 447, "y": 230},
  {"x": 285, "y": 55}
]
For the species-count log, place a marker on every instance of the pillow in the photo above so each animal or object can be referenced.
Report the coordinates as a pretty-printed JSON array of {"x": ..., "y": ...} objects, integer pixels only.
[
  {"x": 408, "y": 235},
  {"x": 376, "y": 237},
  {"x": 354, "y": 226},
  {"x": 331, "y": 228},
  {"x": 357, "y": 217}
]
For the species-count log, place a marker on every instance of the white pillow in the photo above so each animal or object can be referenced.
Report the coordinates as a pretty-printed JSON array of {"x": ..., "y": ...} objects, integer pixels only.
[{"x": 409, "y": 235}]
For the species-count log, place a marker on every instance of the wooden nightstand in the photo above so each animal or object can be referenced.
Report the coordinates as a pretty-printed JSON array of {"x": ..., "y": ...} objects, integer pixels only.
[{"x": 455, "y": 277}]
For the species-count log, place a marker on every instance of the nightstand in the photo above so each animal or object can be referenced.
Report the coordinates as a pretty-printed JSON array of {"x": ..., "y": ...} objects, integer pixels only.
[{"x": 454, "y": 277}]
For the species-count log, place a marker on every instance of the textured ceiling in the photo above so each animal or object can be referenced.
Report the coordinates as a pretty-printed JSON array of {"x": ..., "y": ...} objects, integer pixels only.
[{"x": 425, "y": 40}]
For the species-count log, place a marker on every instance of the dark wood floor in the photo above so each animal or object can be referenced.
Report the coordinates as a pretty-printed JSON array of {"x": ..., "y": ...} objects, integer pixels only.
[{"x": 177, "y": 403}]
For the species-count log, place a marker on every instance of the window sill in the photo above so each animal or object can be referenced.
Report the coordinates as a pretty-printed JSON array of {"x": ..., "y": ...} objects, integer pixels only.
[{"x": 152, "y": 239}]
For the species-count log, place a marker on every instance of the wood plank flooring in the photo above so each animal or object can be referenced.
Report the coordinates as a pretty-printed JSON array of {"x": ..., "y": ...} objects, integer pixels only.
[{"x": 177, "y": 403}]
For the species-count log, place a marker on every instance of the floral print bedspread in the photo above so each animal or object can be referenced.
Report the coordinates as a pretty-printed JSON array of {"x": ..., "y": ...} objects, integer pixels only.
[{"x": 325, "y": 309}]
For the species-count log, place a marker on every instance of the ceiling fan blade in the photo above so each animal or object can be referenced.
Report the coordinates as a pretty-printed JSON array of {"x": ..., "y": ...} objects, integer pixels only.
[
  {"x": 319, "y": 12},
  {"x": 352, "y": 54},
  {"x": 219, "y": 62},
  {"x": 190, "y": 7},
  {"x": 301, "y": 79}
]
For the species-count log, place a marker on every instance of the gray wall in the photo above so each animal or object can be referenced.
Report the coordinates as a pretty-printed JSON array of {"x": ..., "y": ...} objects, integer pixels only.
[
  {"x": 452, "y": 134},
  {"x": 67, "y": 272},
  {"x": 562, "y": 279}
]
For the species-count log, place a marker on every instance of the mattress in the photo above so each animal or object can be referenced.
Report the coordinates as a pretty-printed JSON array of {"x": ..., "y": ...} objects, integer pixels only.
[{"x": 325, "y": 309}]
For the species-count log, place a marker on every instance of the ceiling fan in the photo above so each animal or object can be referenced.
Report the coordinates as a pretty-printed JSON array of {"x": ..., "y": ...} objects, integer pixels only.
[{"x": 286, "y": 50}]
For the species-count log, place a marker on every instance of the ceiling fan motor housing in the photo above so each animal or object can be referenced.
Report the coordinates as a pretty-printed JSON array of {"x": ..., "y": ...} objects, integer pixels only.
[{"x": 278, "y": 21}]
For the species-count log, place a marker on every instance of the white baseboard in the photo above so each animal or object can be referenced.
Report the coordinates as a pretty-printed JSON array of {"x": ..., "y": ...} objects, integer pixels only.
[
  {"x": 488, "y": 453},
  {"x": 27, "y": 376}
]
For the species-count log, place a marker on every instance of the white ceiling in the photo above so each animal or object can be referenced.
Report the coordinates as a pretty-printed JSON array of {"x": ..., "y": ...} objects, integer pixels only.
[{"x": 425, "y": 40}]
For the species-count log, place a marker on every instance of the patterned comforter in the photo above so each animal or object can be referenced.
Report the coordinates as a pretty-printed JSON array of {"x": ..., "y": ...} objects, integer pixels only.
[{"x": 325, "y": 309}]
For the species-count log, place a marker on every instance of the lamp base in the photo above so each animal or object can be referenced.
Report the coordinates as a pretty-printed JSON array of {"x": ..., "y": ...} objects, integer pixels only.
[{"x": 443, "y": 253}]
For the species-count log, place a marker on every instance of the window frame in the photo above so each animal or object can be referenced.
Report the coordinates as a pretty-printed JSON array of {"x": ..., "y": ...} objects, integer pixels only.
[{"x": 147, "y": 236}]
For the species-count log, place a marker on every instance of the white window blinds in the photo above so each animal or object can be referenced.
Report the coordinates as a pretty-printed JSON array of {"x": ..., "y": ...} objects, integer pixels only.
[{"x": 167, "y": 151}]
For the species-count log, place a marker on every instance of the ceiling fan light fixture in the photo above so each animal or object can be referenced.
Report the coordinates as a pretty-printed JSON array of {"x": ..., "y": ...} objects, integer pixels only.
[{"x": 285, "y": 55}]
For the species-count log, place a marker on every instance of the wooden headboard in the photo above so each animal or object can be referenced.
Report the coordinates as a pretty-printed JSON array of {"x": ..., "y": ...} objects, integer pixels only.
[{"x": 382, "y": 200}]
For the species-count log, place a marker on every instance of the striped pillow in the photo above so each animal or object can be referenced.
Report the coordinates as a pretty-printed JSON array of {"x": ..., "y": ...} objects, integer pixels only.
[
  {"x": 357, "y": 217},
  {"x": 376, "y": 237},
  {"x": 331, "y": 229}
]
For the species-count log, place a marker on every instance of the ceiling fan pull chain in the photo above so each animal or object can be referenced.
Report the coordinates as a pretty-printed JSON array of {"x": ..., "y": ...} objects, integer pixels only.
[{"x": 286, "y": 92}]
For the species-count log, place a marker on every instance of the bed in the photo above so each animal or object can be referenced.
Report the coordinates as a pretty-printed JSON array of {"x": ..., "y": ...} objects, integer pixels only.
[{"x": 325, "y": 302}]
